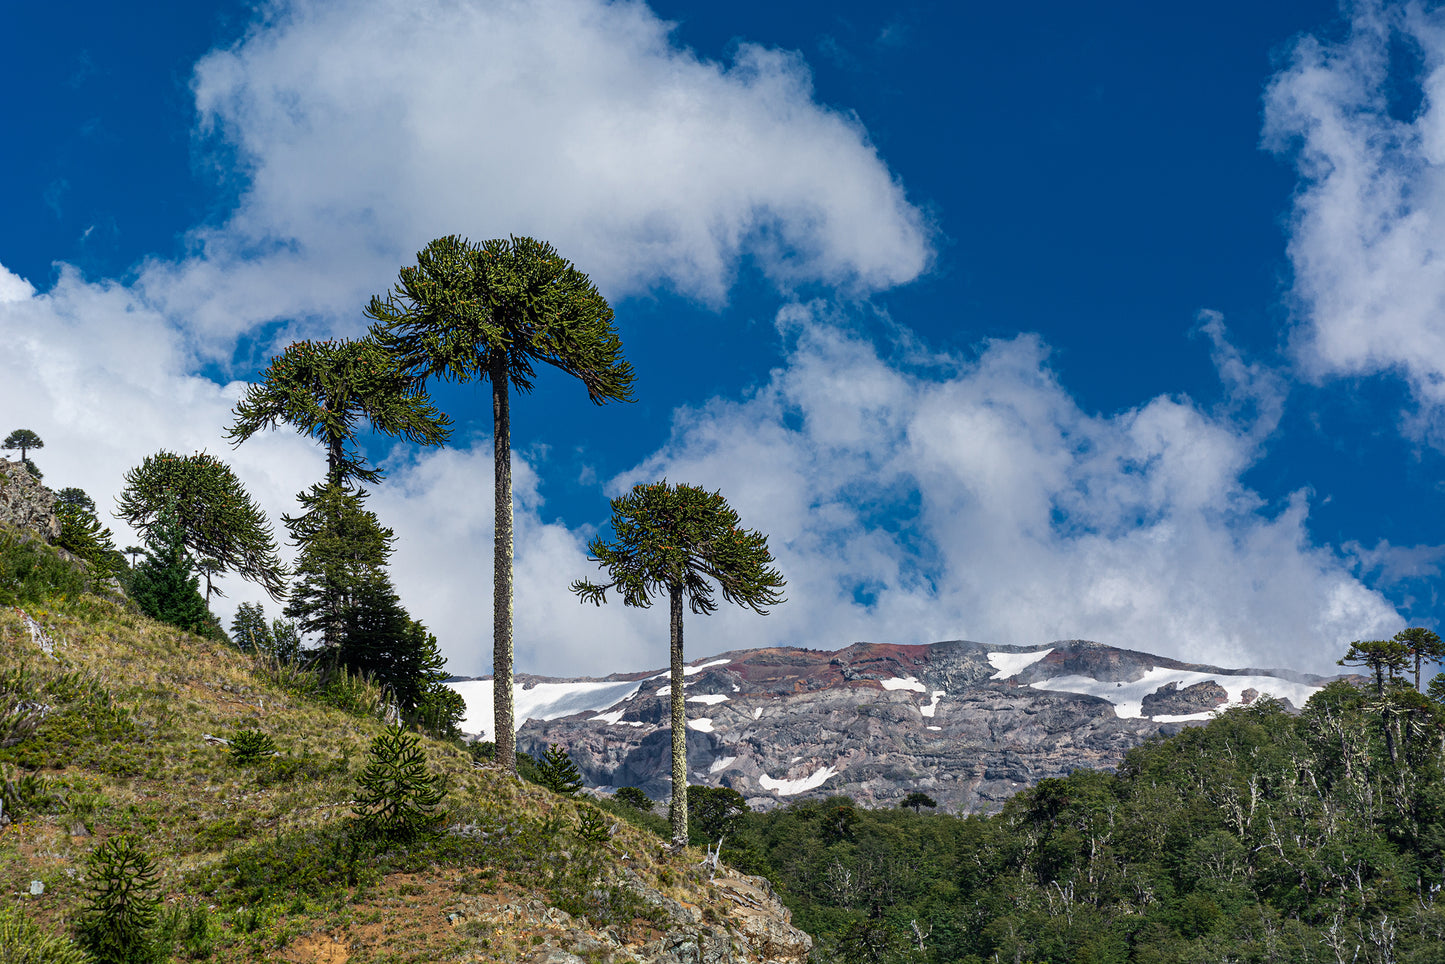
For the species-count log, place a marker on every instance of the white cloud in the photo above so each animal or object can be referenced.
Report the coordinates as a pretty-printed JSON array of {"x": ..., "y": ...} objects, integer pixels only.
[
  {"x": 367, "y": 128},
  {"x": 1367, "y": 237},
  {"x": 1019, "y": 517},
  {"x": 104, "y": 380},
  {"x": 13, "y": 287}
]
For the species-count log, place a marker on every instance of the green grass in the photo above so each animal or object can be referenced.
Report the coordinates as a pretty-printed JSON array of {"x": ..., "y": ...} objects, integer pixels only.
[{"x": 253, "y": 853}]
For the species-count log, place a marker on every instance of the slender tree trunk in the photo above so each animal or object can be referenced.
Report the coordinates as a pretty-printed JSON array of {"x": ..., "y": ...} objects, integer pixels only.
[
  {"x": 334, "y": 452},
  {"x": 506, "y": 736},
  {"x": 679, "y": 728}
]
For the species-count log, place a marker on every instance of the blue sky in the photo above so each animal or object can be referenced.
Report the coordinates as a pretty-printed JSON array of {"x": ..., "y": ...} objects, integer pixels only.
[{"x": 1014, "y": 325}]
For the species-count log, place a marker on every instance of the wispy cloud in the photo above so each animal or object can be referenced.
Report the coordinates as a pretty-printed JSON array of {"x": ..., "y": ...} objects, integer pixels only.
[{"x": 1367, "y": 235}]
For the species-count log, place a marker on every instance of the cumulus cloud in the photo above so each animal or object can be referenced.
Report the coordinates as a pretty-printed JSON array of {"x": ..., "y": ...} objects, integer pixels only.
[
  {"x": 365, "y": 129},
  {"x": 1367, "y": 234},
  {"x": 105, "y": 380},
  {"x": 981, "y": 502}
]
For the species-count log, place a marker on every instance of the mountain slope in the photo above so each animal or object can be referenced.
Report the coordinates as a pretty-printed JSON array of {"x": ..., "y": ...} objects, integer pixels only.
[
  {"x": 967, "y": 722},
  {"x": 111, "y": 724}
]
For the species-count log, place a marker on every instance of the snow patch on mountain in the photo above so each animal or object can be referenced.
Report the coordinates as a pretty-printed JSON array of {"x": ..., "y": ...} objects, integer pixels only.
[
  {"x": 786, "y": 788},
  {"x": 541, "y": 701},
  {"x": 903, "y": 683},
  {"x": 1128, "y": 697},
  {"x": 1010, "y": 664}
]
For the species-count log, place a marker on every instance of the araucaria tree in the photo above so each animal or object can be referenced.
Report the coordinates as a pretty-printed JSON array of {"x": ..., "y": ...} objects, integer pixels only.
[
  {"x": 1422, "y": 646},
  {"x": 324, "y": 389},
  {"x": 24, "y": 440},
  {"x": 491, "y": 311},
  {"x": 214, "y": 512},
  {"x": 1386, "y": 658},
  {"x": 673, "y": 540},
  {"x": 163, "y": 585}
]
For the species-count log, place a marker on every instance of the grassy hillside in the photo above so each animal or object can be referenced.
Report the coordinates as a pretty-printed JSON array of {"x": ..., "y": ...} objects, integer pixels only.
[{"x": 108, "y": 727}]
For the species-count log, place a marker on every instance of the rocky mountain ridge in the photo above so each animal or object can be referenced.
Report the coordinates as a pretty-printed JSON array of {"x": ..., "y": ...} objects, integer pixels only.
[{"x": 967, "y": 723}]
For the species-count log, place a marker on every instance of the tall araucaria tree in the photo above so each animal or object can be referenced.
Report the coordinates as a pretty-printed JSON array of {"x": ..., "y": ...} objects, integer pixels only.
[
  {"x": 491, "y": 311},
  {"x": 214, "y": 512},
  {"x": 324, "y": 389},
  {"x": 1423, "y": 646},
  {"x": 24, "y": 440},
  {"x": 1386, "y": 658},
  {"x": 673, "y": 539}
]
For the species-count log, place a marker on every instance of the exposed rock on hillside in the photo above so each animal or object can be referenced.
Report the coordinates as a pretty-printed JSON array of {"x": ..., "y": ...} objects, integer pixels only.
[
  {"x": 25, "y": 503},
  {"x": 968, "y": 723}
]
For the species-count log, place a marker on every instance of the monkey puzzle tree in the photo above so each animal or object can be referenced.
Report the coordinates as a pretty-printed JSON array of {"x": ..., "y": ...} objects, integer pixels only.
[
  {"x": 324, "y": 389},
  {"x": 673, "y": 539},
  {"x": 1386, "y": 658},
  {"x": 24, "y": 440},
  {"x": 216, "y": 515},
  {"x": 1421, "y": 645},
  {"x": 469, "y": 312}
]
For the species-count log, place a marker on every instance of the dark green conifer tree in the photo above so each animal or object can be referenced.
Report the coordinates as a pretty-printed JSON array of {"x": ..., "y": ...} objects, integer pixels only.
[
  {"x": 118, "y": 922},
  {"x": 24, "y": 440},
  {"x": 217, "y": 517},
  {"x": 249, "y": 630},
  {"x": 381, "y": 640},
  {"x": 918, "y": 800},
  {"x": 557, "y": 772},
  {"x": 397, "y": 796},
  {"x": 82, "y": 533},
  {"x": 343, "y": 549},
  {"x": 164, "y": 586}
]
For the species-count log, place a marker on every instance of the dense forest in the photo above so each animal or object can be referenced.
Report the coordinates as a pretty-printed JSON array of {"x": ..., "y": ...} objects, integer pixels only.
[{"x": 1263, "y": 836}]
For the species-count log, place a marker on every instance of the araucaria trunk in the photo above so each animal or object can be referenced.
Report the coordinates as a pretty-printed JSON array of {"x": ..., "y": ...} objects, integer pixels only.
[
  {"x": 679, "y": 728},
  {"x": 506, "y": 734}
]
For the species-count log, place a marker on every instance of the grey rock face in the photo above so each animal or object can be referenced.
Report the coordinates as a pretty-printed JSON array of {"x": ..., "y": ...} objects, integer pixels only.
[
  {"x": 25, "y": 503},
  {"x": 877, "y": 721},
  {"x": 1170, "y": 700}
]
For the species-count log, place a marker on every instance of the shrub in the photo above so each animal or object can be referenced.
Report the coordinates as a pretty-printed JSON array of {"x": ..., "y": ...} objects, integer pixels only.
[
  {"x": 118, "y": 922},
  {"x": 592, "y": 826},
  {"x": 713, "y": 812},
  {"x": 23, "y": 942},
  {"x": 250, "y": 746},
  {"x": 557, "y": 772},
  {"x": 634, "y": 798},
  {"x": 398, "y": 796},
  {"x": 314, "y": 860},
  {"x": 31, "y": 572}
]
